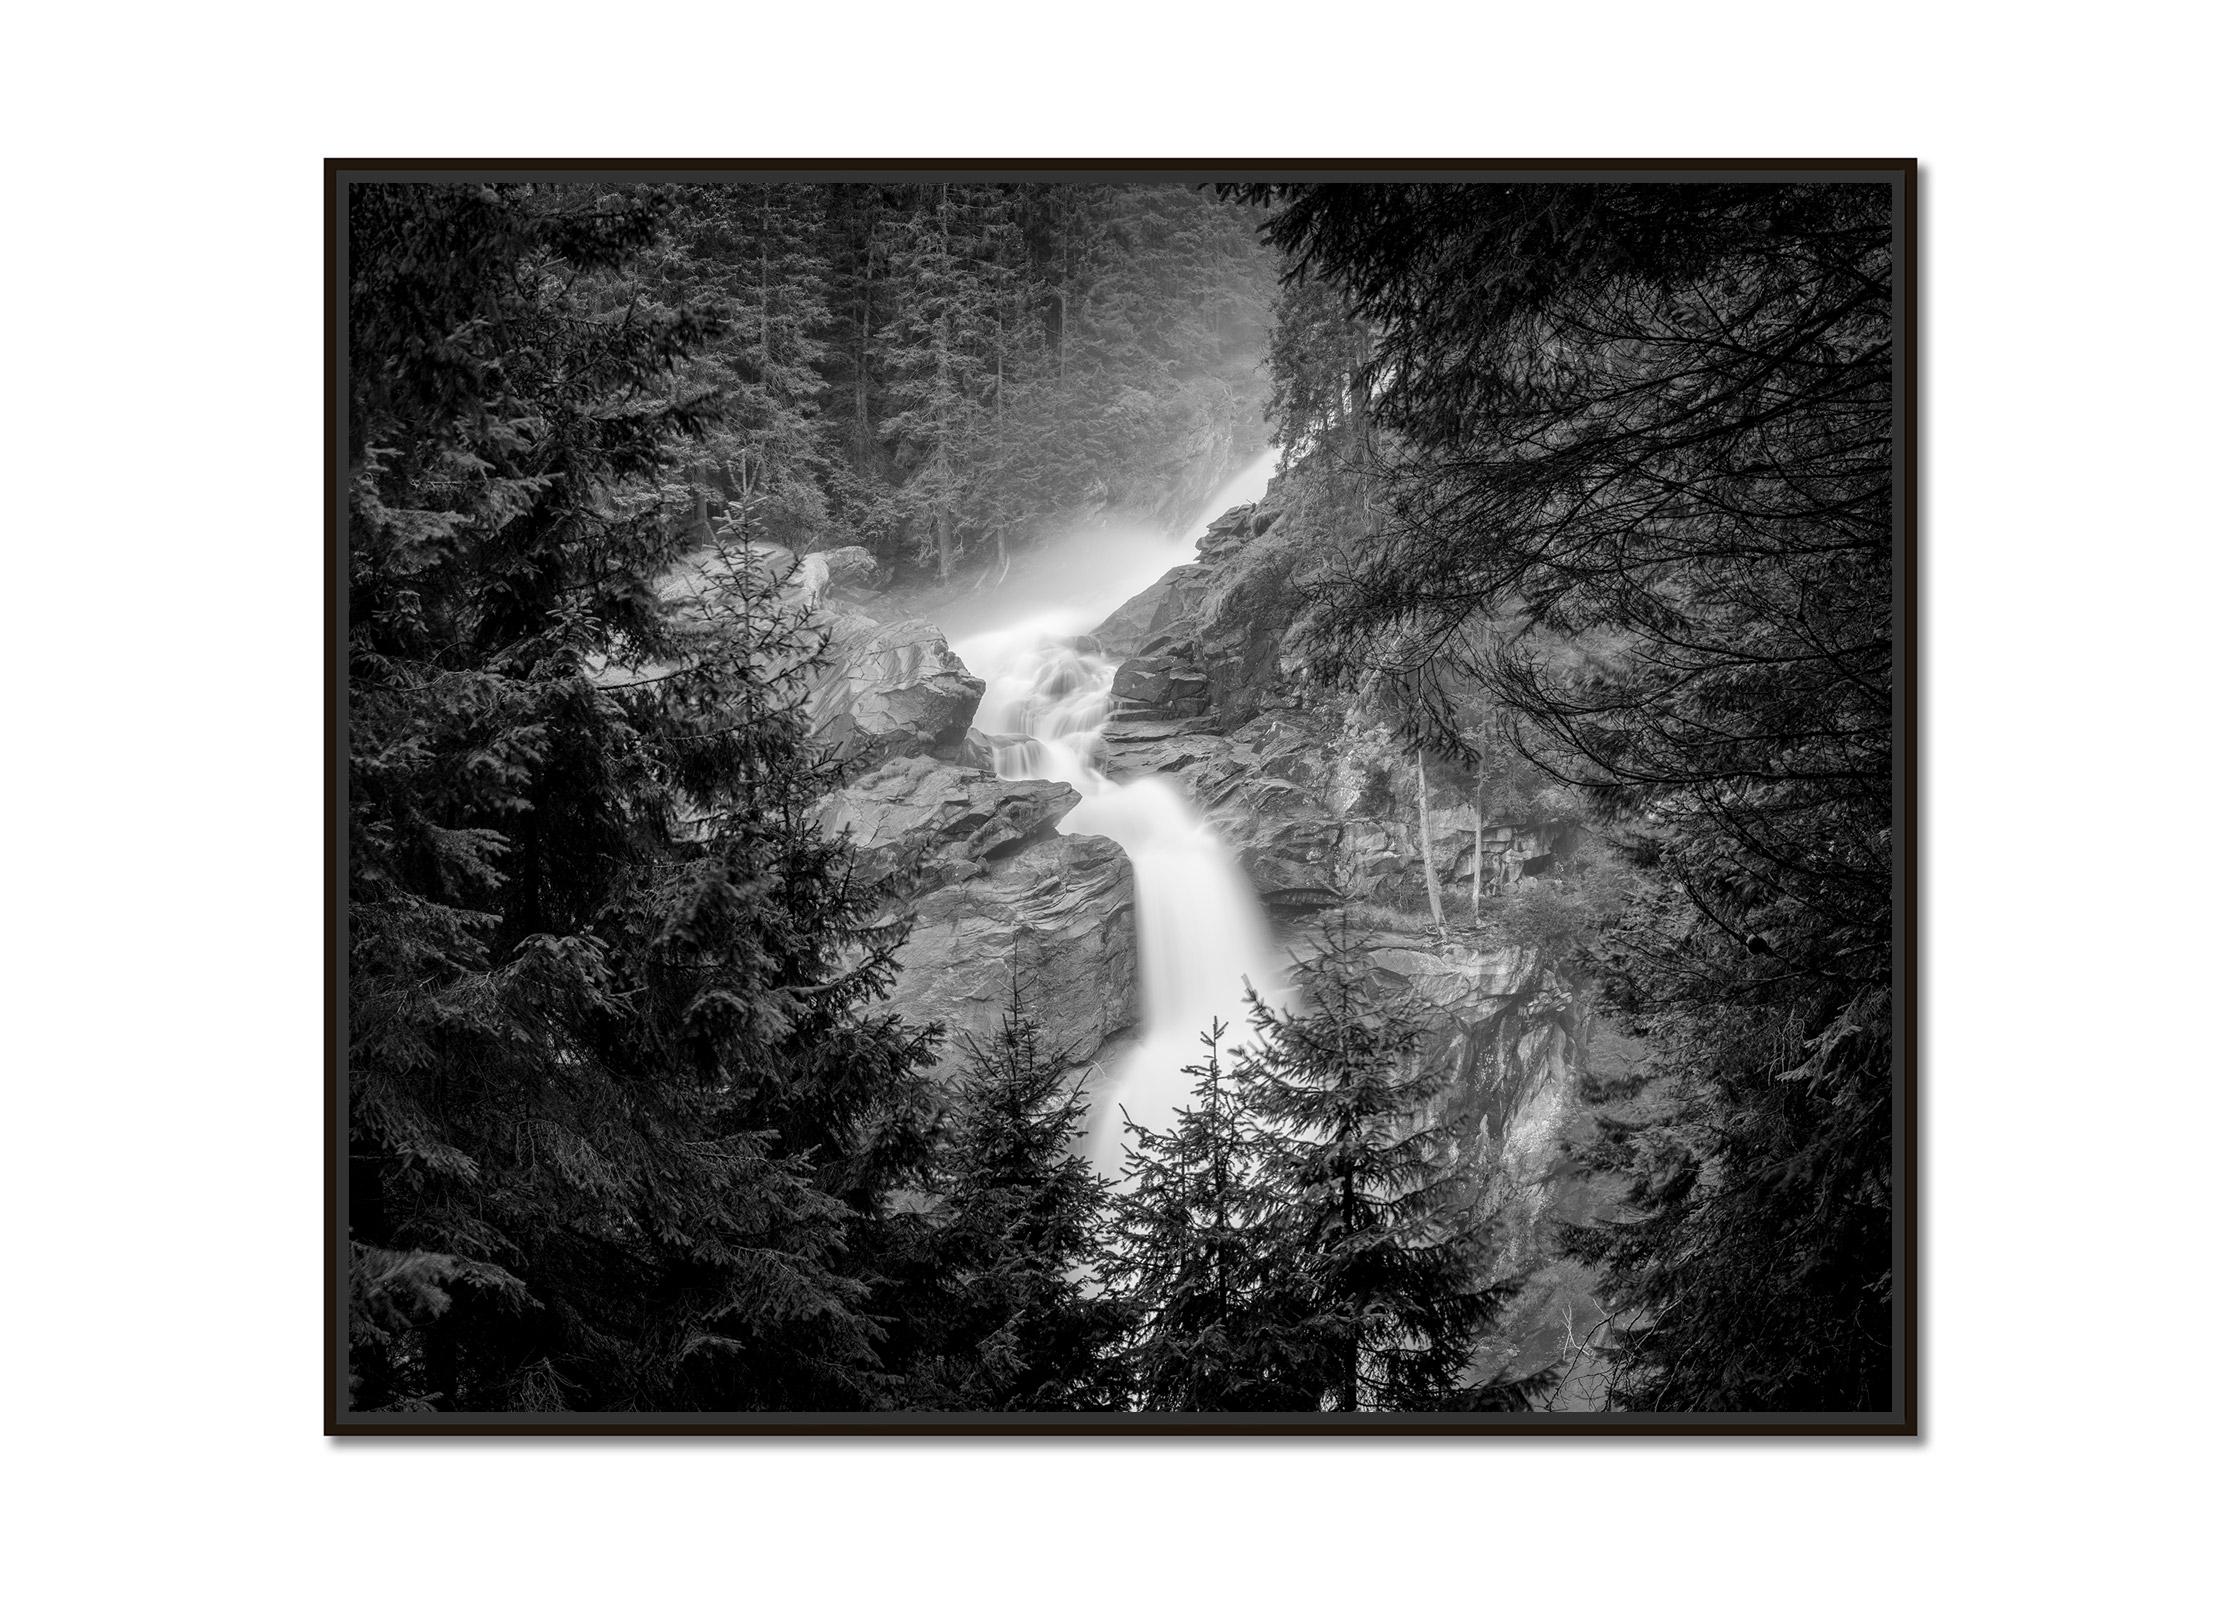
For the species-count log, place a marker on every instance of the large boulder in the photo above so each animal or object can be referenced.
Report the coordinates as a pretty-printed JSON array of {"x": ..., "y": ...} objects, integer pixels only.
[
  {"x": 1059, "y": 916},
  {"x": 1164, "y": 682},
  {"x": 995, "y": 891},
  {"x": 919, "y": 822},
  {"x": 701, "y": 595},
  {"x": 851, "y": 566},
  {"x": 816, "y": 575},
  {"x": 892, "y": 689}
]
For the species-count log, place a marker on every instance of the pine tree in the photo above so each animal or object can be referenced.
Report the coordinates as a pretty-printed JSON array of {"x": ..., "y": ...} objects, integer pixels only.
[
  {"x": 1152, "y": 386},
  {"x": 620, "y": 1129},
  {"x": 747, "y": 257},
  {"x": 1217, "y": 1327},
  {"x": 941, "y": 352},
  {"x": 944, "y": 370},
  {"x": 1359, "y": 1189},
  {"x": 1012, "y": 1322},
  {"x": 851, "y": 242}
]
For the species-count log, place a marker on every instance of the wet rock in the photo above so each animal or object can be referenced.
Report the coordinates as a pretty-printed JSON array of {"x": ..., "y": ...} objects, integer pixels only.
[
  {"x": 891, "y": 689},
  {"x": 979, "y": 751},
  {"x": 1149, "y": 744},
  {"x": 919, "y": 822},
  {"x": 816, "y": 576},
  {"x": 1207, "y": 638},
  {"x": 1230, "y": 531},
  {"x": 852, "y": 566},
  {"x": 1291, "y": 866},
  {"x": 1162, "y": 614},
  {"x": 1059, "y": 911},
  {"x": 1285, "y": 840},
  {"x": 989, "y": 882},
  {"x": 701, "y": 594},
  {"x": 1165, "y": 683},
  {"x": 1245, "y": 615}
]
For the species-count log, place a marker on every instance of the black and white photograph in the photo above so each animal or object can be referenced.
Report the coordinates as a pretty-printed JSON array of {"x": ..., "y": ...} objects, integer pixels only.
[{"x": 1077, "y": 798}]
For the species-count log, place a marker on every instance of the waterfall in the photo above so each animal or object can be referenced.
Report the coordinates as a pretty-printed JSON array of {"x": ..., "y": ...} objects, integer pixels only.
[{"x": 1200, "y": 933}]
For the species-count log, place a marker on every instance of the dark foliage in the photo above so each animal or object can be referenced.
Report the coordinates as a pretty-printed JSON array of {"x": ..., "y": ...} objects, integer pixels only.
[
  {"x": 1635, "y": 509},
  {"x": 1359, "y": 1195},
  {"x": 1009, "y": 1318},
  {"x": 1218, "y": 1324},
  {"x": 1303, "y": 1240},
  {"x": 943, "y": 371},
  {"x": 621, "y": 1128}
]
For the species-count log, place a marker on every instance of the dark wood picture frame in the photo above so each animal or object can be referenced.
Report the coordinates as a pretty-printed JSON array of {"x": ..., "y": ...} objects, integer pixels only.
[{"x": 1903, "y": 1421}]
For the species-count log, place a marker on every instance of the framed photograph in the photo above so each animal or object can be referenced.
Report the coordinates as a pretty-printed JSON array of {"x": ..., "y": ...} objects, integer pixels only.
[{"x": 1122, "y": 797}]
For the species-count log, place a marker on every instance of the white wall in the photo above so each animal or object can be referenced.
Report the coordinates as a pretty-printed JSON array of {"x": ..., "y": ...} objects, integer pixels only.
[{"x": 161, "y": 965}]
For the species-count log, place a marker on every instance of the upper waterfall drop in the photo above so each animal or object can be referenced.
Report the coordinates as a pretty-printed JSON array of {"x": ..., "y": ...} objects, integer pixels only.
[{"x": 1200, "y": 933}]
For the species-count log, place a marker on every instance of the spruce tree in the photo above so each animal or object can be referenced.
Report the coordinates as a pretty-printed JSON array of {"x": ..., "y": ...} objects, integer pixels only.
[
  {"x": 942, "y": 370},
  {"x": 1217, "y": 1325},
  {"x": 1012, "y": 1321},
  {"x": 620, "y": 1128},
  {"x": 941, "y": 352},
  {"x": 1359, "y": 1195},
  {"x": 747, "y": 256}
]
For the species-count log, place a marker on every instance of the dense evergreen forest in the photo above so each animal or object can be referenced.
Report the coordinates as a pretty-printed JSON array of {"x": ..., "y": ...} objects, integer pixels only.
[
  {"x": 942, "y": 372},
  {"x": 1586, "y": 491},
  {"x": 1624, "y": 512}
]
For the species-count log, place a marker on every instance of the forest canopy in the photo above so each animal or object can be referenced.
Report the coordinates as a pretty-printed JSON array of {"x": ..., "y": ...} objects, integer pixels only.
[{"x": 943, "y": 370}]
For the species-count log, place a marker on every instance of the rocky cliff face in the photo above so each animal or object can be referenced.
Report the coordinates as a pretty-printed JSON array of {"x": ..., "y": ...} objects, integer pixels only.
[
  {"x": 1315, "y": 794},
  {"x": 1207, "y": 638}
]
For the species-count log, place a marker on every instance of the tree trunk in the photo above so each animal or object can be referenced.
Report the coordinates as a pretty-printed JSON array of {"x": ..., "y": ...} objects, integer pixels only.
[
  {"x": 863, "y": 355},
  {"x": 1359, "y": 387},
  {"x": 1430, "y": 870},
  {"x": 1349, "y": 1379},
  {"x": 762, "y": 297},
  {"x": 442, "y": 1348},
  {"x": 1478, "y": 844}
]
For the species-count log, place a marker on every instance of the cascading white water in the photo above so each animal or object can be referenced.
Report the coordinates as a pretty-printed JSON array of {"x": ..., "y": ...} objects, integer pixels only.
[{"x": 1200, "y": 934}]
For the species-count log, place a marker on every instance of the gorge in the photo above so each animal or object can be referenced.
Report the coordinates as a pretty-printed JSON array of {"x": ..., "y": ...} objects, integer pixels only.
[{"x": 1107, "y": 791}]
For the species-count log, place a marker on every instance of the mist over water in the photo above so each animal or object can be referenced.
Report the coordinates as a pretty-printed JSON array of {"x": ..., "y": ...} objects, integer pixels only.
[{"x": 1200, "y": 932}]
